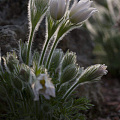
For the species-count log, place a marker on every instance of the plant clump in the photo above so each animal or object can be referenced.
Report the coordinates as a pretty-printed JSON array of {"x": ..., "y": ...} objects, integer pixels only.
[{"x": 39, "y": 86}]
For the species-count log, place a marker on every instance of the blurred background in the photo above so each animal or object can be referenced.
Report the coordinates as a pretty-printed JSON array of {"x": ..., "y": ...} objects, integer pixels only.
[{"x": 97, "y": 41}]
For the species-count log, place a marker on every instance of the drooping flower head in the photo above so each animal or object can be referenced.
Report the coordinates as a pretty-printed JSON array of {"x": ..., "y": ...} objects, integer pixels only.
[
  {"x": 44, "y": 86},
  {"x": 57, "y": 9},
  {"x": 81, "y": 11}
]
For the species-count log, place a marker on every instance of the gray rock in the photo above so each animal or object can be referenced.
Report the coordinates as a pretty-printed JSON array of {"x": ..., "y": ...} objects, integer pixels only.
[
  {"x": 13, "y": 12},
  {"x": 8, "y": 40},
  {"x": 9, "y": 37}
]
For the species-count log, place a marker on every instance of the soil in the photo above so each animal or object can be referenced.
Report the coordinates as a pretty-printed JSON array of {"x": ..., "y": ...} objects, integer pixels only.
[{"x": 111, "y": 104}]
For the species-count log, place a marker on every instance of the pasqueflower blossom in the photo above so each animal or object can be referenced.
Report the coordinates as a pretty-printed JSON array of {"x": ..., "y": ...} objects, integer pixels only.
[
  {"x": 57, "y": 9},
  {"x": 81, "y": 11},
  {"x": 44, "y": 86}
]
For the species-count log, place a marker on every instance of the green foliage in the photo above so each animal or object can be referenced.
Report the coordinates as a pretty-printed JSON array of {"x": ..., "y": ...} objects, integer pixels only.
[
  {"x": 17, "y": 97},
  {"x": 71, "y": 110},
  {"x": 17, "y": 101}
]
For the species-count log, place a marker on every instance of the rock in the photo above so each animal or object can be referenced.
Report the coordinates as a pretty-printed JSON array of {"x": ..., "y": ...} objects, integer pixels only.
[
  {"x": 9, "y": 37},
  {"x": 8, "y": 40},
  {"x": 13, "y": 12}
]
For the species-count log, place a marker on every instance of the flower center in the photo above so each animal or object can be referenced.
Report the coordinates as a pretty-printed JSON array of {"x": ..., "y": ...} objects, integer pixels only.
[{"x": 42, "y": 82}]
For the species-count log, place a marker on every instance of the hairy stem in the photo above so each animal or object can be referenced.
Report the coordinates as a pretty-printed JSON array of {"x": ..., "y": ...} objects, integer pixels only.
[
  {"x": 44, "y": 51},
  {"x": 71, "y": 89},
  {"x": 51, "y": 53},
  {"x": 29, "y": 46},
  {"x": 50, "y": 31}
]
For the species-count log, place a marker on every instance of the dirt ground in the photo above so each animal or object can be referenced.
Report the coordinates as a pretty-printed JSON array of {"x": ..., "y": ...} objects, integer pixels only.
[{"x": 111, "y": 94}]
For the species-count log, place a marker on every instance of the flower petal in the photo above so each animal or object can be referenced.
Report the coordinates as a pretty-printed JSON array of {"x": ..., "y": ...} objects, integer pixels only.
[
  {"x": 54, "y": 8},
  {"x": 83, "y": 15},
  {"x": 61, "y": 8},
  {"x": 79, "y": 6},
  {"x": 51, "y": 91},
  {"x": 38, "y": 86}
]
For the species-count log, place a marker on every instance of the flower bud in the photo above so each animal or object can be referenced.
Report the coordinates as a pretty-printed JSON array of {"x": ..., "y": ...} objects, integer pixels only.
[
  {"x": 69, "y": 73},
  {"x": 93, "y": 73},
  {"x": 17, "y": 83},
  {"x": 24, "y": 74},
  {"x": 81, "y": 11},
  {"x": 11, "y": 61},
  {"x": 57, "y": 9}
]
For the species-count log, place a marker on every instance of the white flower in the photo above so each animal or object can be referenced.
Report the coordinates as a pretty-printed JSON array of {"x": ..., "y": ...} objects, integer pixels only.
[
  {"x": 44, "y": 86},
  {"x": 57, "y": 9},
  {"x": 81, "y": 11}
]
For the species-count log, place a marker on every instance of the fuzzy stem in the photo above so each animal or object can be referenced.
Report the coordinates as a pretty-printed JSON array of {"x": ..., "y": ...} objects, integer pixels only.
[
  {"x": 50, "y": 31},
  {"x": 51, "y": 53},
  {"x": 59, "y": 36},
  {"x": 30, "y": 45},
  {"x": 61, "y": 33},
  {"x": 70, "y": 90},
  {"x": 43, "y": 51}
]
